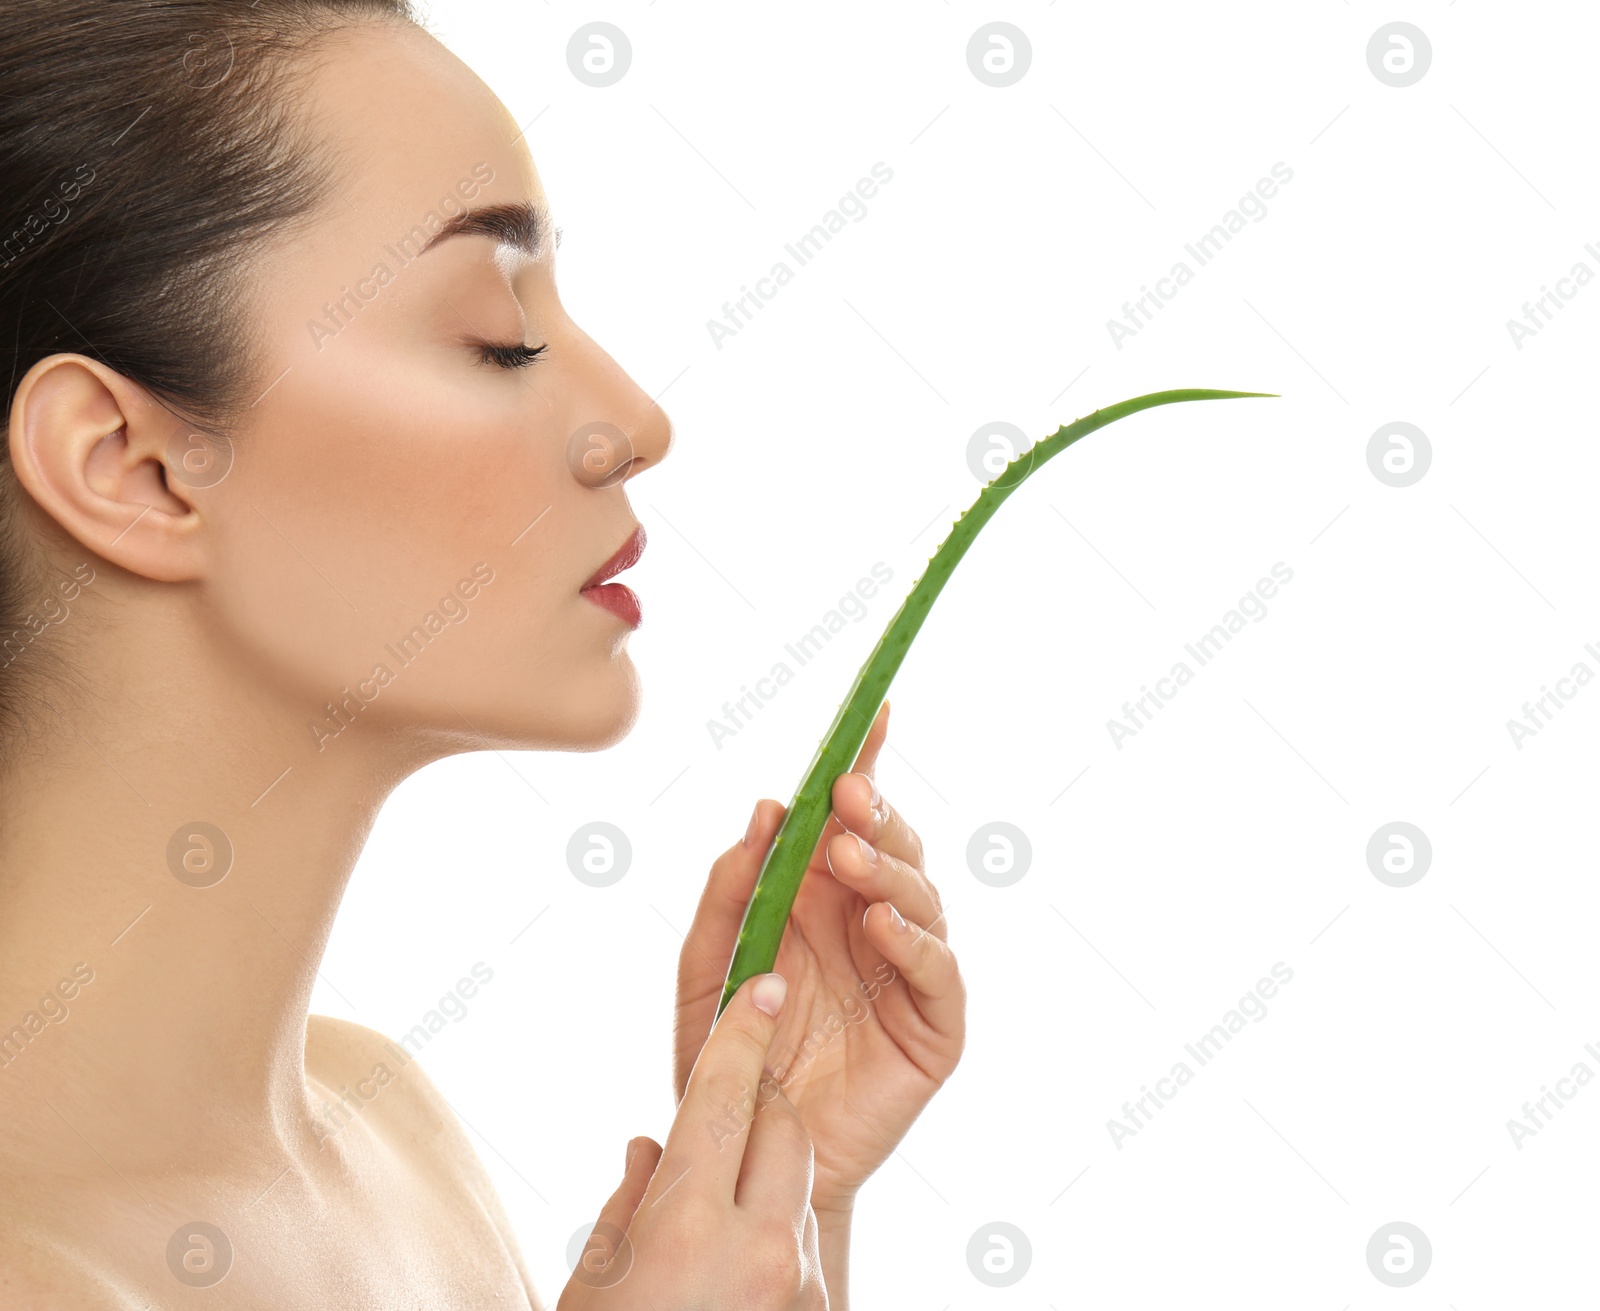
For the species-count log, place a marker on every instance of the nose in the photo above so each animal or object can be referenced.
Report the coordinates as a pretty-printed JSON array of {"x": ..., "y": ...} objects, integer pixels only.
[{"x": 629, "y": 432}]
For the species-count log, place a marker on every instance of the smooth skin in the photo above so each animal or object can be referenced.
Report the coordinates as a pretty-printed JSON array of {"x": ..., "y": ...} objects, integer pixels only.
[{"x": 374, "y": 472}]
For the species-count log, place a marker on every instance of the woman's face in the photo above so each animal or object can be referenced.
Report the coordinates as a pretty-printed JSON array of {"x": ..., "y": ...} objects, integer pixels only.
[{"x": 406, "y": 524}]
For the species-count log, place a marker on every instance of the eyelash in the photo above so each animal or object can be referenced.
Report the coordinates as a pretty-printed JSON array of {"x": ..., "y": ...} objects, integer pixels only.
[{"x": 516, "y": 356}]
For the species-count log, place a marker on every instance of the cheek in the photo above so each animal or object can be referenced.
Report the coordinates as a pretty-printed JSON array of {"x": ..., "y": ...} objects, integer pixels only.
[{"x": 352, "y": 514}]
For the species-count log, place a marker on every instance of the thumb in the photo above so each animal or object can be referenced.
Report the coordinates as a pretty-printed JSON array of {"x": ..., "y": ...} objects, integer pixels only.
[{"x": 715, "y": 927}]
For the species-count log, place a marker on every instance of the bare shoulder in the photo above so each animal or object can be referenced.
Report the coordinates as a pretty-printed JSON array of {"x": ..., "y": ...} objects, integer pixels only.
[
  {"x": 40, "y": 1274},
  {"x": 367, "y": 1075},
  {"x": 376, "y": 1079}
]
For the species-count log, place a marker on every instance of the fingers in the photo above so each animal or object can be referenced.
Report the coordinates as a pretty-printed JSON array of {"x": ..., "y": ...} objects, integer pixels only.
[
  {"x": 878, "y": 876},
  {"x": 926, "y": 962},
  {"x": 720, "y": 911},
  {"x": 721, "y": 907},
  {"x": 708, "y": 1140},
  {"x": 880, "y": 855},
  {"x": 779, "y": 1163},
  {"x": 867, "y": 757},
  {"x": 642, "y": 1158},
  {"x": 764, "y": 821},
  {"x": 733, "y": 873},
  {"x": 862, "y": 809},
  {"x": 605, "y": 1241}
]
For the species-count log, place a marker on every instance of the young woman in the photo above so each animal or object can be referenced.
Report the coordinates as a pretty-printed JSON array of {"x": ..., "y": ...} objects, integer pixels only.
[{"x": 288, "y": 377}]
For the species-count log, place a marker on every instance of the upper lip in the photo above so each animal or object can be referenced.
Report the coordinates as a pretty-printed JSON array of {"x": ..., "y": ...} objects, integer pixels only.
[{"x": 627, "y": 555}]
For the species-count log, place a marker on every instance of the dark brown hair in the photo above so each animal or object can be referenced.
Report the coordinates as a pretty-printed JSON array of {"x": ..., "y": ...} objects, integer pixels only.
[{"x": 146, "y": 148}]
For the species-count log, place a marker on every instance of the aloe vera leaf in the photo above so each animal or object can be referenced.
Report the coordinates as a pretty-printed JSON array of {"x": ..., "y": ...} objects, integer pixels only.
[{"x": 767, "y": 913}]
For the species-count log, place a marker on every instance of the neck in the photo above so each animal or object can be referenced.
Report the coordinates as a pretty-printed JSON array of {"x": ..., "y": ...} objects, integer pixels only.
[{"x": 158, "y": 1020}]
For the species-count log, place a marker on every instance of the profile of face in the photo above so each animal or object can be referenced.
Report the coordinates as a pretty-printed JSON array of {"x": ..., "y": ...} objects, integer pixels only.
[{"x": 435, "y": 468}]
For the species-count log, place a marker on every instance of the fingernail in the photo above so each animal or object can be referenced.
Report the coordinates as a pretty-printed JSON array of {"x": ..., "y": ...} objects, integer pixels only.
[
  {"x": 896, "y": 920},
  {"x": 769, "y": 992},
  {"x": 750, "y": 833},
  {"x": 877, "y": 797},
  {"x": 633, "y": 1148},
  {"x": 869, "y": 853}
]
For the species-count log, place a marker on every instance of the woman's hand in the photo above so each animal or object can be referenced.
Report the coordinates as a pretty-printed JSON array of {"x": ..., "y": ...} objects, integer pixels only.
[
  {"x": 876, "y": 1016},
  {"x": 720, "y": 1219}
]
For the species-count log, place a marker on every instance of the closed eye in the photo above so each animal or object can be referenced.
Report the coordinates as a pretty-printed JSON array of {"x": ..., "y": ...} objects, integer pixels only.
[{"x": 515, "y": 356}]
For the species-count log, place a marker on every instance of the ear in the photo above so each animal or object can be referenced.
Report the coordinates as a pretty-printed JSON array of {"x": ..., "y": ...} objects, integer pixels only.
[{"x": 99, "y": 456}]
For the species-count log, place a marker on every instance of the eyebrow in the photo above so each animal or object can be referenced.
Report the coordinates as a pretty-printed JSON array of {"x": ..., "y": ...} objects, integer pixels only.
[{"x": 518, "y": 223}]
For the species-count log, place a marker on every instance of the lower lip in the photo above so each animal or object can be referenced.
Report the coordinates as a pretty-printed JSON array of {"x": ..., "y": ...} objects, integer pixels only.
[{"x": 617, "y": 598}]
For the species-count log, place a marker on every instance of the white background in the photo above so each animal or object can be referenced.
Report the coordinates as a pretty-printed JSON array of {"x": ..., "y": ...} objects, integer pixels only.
[{"x": 1229, "y": 834}]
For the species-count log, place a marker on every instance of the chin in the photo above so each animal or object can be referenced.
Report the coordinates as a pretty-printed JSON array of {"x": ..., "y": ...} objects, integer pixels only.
[
  {"x": 623, "y": 710},
  {"x": 598, "y": 715}
]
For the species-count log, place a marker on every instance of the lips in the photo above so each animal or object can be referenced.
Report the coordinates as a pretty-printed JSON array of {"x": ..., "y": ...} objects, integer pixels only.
[{"x": 626, "y": 557}]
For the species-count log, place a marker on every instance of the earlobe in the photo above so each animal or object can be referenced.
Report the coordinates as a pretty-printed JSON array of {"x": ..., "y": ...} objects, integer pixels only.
[{"x": 91, "y": 448}]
